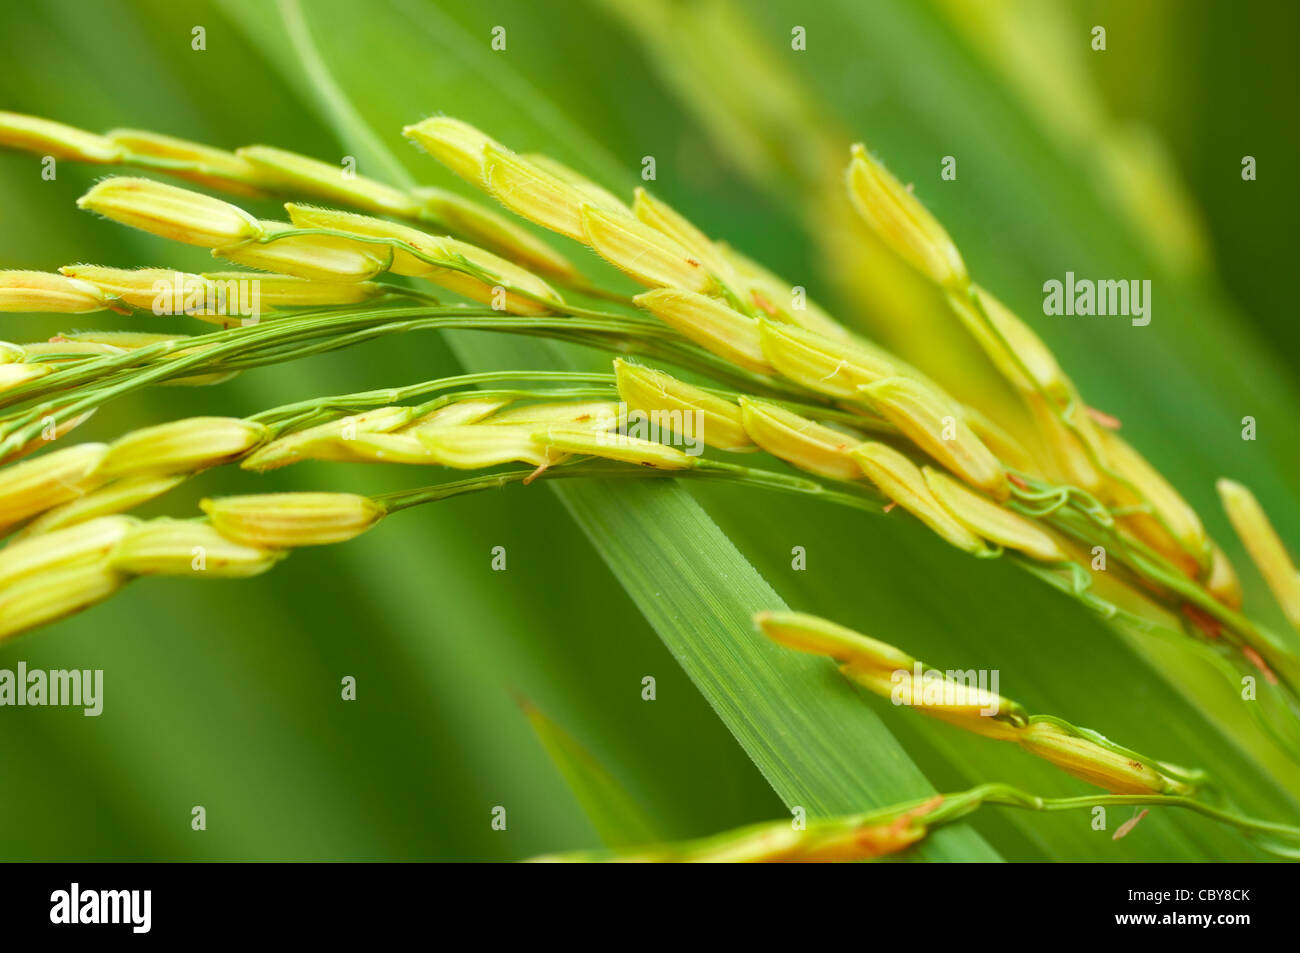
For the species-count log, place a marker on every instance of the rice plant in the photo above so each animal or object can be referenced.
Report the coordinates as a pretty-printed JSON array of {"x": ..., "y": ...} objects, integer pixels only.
[{"x": 649, "y": 364}]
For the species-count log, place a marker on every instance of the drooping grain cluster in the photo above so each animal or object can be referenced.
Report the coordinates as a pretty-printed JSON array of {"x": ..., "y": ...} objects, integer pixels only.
[{"x": 802, "y": 387}]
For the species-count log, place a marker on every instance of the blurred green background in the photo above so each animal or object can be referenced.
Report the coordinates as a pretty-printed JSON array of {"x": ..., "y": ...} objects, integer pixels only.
[{"x": 227, "y": 695}]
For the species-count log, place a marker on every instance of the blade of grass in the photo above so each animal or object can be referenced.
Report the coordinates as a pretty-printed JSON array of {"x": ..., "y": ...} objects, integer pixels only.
[{"x": 618, "y": 819}]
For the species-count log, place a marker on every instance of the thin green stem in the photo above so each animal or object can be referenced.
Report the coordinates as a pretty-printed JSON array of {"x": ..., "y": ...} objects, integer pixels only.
[
  {"x": 73, "y": 390},
  {"x": 772, "y": 841},
  {"x": 587, "y": 468},
  {"x": 393, "y": 395}
]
